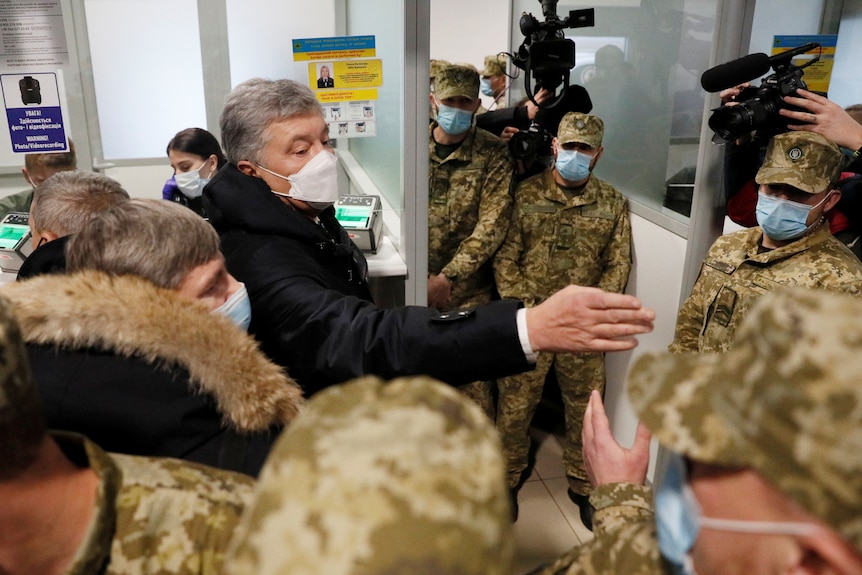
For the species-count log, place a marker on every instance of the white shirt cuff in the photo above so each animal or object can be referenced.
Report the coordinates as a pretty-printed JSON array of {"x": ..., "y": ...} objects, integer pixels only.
[{"x": 524, "y": 336}]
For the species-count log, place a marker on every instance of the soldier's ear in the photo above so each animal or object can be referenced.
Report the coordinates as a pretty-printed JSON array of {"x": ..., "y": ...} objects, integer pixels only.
[
  {"x": 598, "y": 154},
  {"x": 832, "y": 200}
]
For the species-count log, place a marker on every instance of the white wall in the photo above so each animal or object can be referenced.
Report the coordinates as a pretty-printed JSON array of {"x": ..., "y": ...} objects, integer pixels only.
[{"x": 656, "y": 278}]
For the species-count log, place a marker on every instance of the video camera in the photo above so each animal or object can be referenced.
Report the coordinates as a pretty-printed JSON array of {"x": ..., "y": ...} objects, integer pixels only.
[
  {"x": 758, "y": 106},
  {"x": 536, "y": 141},
  {"x": 546, "y": 54}
]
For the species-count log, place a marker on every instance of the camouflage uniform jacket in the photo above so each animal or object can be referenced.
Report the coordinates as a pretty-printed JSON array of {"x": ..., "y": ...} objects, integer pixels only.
[
  {"x": 734, "y": 276},
  {"x": 469, "y": 206},
  {"x": 554, "y": 241},
  {"x": 156, "y": 516},
  {"x": 624, "y": 541}
]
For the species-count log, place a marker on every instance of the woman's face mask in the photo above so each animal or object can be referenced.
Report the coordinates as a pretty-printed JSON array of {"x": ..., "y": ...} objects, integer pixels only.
[
  {"x": 316, "y": 183},
  {"x": 190, "y": 183},
  {"x": 783, "y": 219}
]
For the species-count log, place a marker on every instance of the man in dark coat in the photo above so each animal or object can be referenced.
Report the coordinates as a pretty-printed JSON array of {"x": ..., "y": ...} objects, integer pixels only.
[{"x": 311, "y": 309}]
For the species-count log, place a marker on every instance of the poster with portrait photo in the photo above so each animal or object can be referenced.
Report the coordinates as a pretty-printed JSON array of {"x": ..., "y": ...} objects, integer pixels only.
[{"x": 324, "y": 75}]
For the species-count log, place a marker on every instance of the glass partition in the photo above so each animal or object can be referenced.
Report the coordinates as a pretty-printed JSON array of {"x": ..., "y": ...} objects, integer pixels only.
[
  {"x": 382, "y": 157},
  {"x": 147, "y": 73},
  {"x": 641, "y": 64}
]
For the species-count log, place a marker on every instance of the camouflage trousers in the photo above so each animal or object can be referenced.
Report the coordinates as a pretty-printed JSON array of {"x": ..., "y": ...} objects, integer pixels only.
[
  {"x": 519, "y": 395},
  {"x": 481, "y": 392}
]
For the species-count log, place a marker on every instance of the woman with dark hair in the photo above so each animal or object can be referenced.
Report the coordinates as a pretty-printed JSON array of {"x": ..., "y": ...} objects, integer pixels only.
[{"x": 195, "y": 156}]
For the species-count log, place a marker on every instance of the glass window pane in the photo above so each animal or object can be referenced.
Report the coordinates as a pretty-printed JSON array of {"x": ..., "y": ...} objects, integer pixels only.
[
  {"x": 147, "y": 73},
  {"x": 385, "y": 20},
  {"x": 260, "y": 34},
  {"x": 641, "y": 65}
]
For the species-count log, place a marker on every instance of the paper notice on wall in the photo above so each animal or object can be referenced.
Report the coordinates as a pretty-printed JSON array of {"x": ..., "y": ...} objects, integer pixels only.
[
  {"x": 35, "y": 113},
  {"x": 354, "y": 119},
  {"x": 32, "y": 35},
  {"x": 345, "y": 77}
]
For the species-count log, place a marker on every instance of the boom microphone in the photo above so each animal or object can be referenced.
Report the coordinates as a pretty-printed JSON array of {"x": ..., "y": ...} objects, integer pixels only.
[{"x": 735, "y": 72}]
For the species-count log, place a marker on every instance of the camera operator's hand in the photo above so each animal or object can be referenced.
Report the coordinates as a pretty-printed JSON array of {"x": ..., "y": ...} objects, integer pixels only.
[
  {"x": 508, "y": 132},
  {"x": 824, "y": 117},
  {"x": 541, "y": 96},
  {"x": 729, "y": 95}
]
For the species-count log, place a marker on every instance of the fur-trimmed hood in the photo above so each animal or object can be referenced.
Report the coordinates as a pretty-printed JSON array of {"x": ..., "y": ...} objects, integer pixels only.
[{"x": 129, "y": 316}]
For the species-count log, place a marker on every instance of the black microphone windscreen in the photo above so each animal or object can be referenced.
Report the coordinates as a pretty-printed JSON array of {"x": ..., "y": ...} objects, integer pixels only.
[{"x": 735, "y": 72}]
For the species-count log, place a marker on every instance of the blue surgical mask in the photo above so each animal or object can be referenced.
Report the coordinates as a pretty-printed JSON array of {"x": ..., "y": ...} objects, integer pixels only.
[
  {"x": 572, "y": 165},
  {"x": 679, "y": 520},
  {"x": 783, "y": 219},
  {"x": 676, "y": 516},
  {"x": 485, "y": 87},
  {"x": 454, "y": 121},
  {"x": 237, "y": 308}
]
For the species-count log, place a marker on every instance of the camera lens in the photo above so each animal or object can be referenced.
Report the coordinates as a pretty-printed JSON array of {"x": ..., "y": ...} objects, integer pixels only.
[
  {"x": 522, "y": 146},
  {"x": 731, "y": 122}
]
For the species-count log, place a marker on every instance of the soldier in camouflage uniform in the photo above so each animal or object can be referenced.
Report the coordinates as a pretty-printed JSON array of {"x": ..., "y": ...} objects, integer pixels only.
[
  {"x": 435, "y": 67},
  {"x": 469, "y": 202},
  {"x": 493, "y": 81},
  {"x": 69, "y": 507},
  {"x": 766, "y": 452},
  {"x": 797, "y": 177},
  {"x": 375, "y": 478},
  {"x": 470, "y": 199},
  {"x": 568, "y": 227}
]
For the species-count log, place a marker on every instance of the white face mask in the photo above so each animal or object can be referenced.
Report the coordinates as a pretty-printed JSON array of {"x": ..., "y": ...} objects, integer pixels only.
[
  {"x": 316, "y": 183},
  {"x": 190, "y": 183}
]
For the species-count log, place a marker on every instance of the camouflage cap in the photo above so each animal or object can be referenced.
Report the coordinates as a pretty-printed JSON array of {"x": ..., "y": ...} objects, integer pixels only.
[
  {"x": 376, "y": 477},
  {"x": 494, "y": 66},
  {"x": 582, "y": 128},
  {"x": 784, "y": 400},
  {"x": 804, "y": 160},
  {"x": 16, "y": 383},
  {"x": 457, "y": 80},
  {"x": 437, "y": 65}
]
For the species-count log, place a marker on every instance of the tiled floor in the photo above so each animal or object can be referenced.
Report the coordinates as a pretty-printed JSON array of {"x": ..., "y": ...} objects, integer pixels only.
[{"x": 548, "y": 522}]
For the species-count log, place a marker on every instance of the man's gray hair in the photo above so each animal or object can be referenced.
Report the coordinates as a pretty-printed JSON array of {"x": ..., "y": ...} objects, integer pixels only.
[
  {"x": 157, "y": 240},
  {"x": 66, "y": 201},
  {"x": 253, "y": 106}
]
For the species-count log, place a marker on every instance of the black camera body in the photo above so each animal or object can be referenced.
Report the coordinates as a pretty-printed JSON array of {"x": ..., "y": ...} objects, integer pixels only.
[
  {"x": 535, "y": 142},
  {"x": 758, "y": 107},
  {"x": 546, "y": 55},
  {"x": 531, "y": 143}
]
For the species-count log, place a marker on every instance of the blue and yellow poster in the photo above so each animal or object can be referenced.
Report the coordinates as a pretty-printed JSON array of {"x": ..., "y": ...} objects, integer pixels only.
[
  {"x": 817, "y": 75},
  {"x": 345, "y": 75}
]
